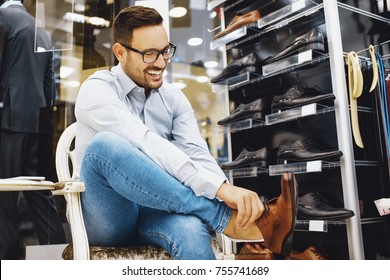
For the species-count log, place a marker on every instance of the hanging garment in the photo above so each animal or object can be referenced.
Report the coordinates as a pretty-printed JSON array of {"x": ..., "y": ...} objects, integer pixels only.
[
  {"x": 374, "y": 68},
  {"x": 383, "y": 100},
  {"x": 387, "y": 78},
  {"x": 355, "y": 86}
]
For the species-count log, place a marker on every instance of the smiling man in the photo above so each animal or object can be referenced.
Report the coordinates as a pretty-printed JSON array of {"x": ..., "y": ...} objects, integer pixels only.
[{"x": 149, "y": 176}]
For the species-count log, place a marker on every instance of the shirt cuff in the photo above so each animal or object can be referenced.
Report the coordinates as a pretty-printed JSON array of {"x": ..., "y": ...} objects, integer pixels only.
[{"x": 207, "y": 183}]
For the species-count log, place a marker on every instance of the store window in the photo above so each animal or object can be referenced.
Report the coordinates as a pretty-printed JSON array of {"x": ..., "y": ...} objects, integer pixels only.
[{"x": 81, "y": 35}]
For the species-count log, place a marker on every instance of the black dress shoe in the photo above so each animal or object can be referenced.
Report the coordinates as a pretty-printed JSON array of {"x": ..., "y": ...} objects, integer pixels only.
[
  {"x": 243, "y": 111},
  {"x": 269, "y": 45},
  {"x": 247, "y": 64},
  {"x": 299, "y": 96},
  {"x": 311, "y": 40},
  {"x": 248, "y": 158},
  {"x": 305, "y": 150},
  {"x": 313, "y": 206}
]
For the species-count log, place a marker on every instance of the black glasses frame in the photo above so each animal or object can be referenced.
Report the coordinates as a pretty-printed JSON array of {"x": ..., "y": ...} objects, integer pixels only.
[{"x": 158, "y": 52}]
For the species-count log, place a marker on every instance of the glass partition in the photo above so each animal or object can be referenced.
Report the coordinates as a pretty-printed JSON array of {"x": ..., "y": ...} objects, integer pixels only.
[{"x": 56, "y": 17}]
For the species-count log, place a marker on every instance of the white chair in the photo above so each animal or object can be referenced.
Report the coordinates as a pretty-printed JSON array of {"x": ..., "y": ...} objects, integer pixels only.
[{"x": 80, "y": 248}]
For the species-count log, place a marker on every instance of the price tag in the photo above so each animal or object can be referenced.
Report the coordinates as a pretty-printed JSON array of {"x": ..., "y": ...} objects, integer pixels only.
[
  {"x": 314, "y": 166},
  {"x": 383, "y": 206},
  {"x": 298, "y": 5},
  {"x": 308, "y": 110},
  {"x": 316, "y": 225},
  {"x": 385, "y": 202},
  {"x": 304, "y": 56}
]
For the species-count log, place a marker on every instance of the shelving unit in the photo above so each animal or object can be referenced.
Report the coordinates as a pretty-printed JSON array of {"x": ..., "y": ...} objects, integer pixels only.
[{"x": 326, "y": 15}]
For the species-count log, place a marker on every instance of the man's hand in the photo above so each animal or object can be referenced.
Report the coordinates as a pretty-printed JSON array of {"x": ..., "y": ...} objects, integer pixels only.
[{"x": 247, "y": 203}]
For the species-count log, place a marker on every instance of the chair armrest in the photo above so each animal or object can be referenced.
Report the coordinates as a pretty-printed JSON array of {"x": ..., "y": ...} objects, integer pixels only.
[{"x": 64, "y": 187}]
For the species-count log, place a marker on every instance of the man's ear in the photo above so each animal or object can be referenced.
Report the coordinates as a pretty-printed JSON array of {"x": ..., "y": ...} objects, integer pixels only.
[{"x": 119, "y": 52}]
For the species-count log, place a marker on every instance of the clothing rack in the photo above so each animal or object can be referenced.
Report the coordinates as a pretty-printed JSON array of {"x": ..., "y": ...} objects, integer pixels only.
[
  {"x": 375, "y": 46},
  {"x": 386, "y": 57}
]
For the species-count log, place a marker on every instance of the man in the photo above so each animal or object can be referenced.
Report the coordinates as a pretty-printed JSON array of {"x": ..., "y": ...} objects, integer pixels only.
[
  {"x": 149, "y": 176},
  {"x": 26, "y": 87}
]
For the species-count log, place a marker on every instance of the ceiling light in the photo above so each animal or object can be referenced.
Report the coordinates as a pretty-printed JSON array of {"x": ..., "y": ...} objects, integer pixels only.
[
  {"x": 79, "y": 7},
  {"x": 107, "y": 45},
  {"x": 98, "y": 21},
  {"x": 72, "y": 84},
  {"x": 66, "y": 71},
  {"x": 195, "y": 41},
  {"x": 178, "y": 12},
  {"x": 202, "y": 79},
  {"x": 74, "y": 17},
  {"x": 210, "y": 64},
  {"x": 213, "y": 14}
]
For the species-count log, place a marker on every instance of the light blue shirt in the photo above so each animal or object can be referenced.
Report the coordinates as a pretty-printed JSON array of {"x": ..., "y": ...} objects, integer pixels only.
[
  {"x": 163, "y": 126},
  {"x": 9, "y": 3}
]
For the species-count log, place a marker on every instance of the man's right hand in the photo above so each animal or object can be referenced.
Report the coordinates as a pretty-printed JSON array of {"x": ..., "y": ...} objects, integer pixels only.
[{"x": 247, "y": 203}]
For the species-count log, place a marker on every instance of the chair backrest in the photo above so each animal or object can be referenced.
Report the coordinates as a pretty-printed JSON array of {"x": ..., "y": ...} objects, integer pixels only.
[{"x": 65, "y": 153}]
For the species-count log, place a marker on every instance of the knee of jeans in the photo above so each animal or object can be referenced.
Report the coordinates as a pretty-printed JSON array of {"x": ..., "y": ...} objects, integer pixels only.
[
  {"x": 191, "y": 233},
  {"x": 104, "y": 138},
  {"x": 192, "y": 239},
  {"x": 191, "y": 226}
]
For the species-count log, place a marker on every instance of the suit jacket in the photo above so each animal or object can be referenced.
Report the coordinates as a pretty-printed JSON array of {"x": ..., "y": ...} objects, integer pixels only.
[{"x": 26, "y": 76}]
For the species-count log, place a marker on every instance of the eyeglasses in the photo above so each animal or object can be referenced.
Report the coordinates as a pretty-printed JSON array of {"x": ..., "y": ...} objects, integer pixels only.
[{"x": 150, "y": 56}]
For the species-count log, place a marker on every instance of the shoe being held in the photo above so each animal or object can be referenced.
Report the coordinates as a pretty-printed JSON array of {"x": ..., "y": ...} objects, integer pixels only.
[
  {"x": 278, "y": 220},
  {"x": 276, "y": 225}
]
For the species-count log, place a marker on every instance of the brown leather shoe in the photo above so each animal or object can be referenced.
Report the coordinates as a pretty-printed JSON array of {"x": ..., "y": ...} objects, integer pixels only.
[
  {"x": 238, "y": 21},
  {"x": 263, "y": 254},
  {"x": 250, "y": 234},
  {"x": 311, "y": 253},
  {"x": 278, "y": 221}
]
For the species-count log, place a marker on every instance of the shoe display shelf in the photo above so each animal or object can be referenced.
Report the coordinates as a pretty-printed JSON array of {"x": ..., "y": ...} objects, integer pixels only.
[
  {"x": 310, "y": 12},
  {"x": 298, "y": 112},
  {"x": 279, "y": 117},
  {"x": 296, "y": 168},
  {"x": 267, "y": 23},
  {"x": 289, "y": 64},
  {"x": 251, "y": 121},
  {"x": 252, "y": 131}
]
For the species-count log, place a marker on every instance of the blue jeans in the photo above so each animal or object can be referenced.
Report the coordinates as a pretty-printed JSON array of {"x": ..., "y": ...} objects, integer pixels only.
[{"x": 129, "y": 200}]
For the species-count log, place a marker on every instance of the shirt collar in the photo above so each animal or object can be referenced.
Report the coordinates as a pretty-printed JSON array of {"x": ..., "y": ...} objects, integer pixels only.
[{"x": 9, "y": 3}]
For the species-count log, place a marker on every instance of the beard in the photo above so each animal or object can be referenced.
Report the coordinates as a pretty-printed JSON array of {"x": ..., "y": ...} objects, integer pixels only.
[{"x": 149, "y": 78}]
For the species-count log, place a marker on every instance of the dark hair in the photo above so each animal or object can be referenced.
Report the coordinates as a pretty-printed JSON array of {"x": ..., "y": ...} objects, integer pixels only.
[{"x": 131, "y": 18}]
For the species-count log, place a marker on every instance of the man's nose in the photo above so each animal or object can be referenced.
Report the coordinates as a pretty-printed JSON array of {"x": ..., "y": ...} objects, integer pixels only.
[{"x": 160, "y": 62}]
